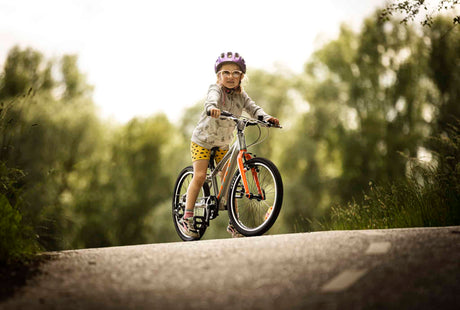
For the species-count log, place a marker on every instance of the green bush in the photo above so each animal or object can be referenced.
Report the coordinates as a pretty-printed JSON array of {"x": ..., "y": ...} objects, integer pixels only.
[{"x": 16, "y": 239}]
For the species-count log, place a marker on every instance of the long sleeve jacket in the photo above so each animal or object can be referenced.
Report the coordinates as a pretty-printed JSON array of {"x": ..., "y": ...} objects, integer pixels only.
[{"x": 211, "y": 132}]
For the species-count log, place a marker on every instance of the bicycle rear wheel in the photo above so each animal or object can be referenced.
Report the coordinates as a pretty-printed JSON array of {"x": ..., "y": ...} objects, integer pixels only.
[
  {"x": 179, "y": 199},
  {"x": 255, "y": 215}
]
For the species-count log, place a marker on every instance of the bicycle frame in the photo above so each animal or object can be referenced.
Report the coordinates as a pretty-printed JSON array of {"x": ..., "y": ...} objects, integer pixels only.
[{"x": 235, "y": 158}]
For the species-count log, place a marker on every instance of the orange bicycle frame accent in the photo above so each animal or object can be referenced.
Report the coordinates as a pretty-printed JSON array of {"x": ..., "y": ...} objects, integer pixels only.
[{"x": 243, "y": 154}]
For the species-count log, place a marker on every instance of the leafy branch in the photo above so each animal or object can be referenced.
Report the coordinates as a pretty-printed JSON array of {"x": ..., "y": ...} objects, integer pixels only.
[{"x": 410, "y": 9}]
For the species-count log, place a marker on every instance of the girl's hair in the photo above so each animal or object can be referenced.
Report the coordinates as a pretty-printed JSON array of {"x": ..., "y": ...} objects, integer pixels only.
[{"x": 239, "y": 89}]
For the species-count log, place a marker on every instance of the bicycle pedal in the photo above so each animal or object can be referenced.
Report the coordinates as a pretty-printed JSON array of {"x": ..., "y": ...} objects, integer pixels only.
[
  {"x": 199, "y": 219},
  {"x": 199, "y": 222}
]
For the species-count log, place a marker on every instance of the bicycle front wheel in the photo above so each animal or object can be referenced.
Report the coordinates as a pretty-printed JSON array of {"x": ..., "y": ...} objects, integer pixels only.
[
  {"x": 255, "y": 215},
  {"x": 179, "y": 198}
]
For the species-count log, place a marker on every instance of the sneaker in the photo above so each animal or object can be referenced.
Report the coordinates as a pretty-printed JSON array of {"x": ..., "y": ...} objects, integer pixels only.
[
  {"x": 187, "y": 226},
  {"x": 231, "y": 230}
]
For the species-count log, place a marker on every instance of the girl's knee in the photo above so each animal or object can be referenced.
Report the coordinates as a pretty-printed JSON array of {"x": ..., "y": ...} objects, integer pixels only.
[
  {"x": 199, "y": 178},
  {"x": 200, "y": 168}
]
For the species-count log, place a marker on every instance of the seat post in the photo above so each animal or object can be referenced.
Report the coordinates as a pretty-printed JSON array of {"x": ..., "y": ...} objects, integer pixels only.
[{"x": 212, "y": 165}]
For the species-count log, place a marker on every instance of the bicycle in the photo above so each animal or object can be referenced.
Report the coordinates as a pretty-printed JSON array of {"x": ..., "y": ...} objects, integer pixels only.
[{"x": 253, "y": 197}]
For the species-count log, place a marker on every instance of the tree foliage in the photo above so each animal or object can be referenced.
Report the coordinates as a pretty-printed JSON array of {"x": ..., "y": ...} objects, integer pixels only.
[
  {"x": 86, "y": 183},
  {"x": 373, "y": 95}
]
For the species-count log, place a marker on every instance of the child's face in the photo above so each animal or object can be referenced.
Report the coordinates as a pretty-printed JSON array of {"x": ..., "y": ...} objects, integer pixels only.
[{"x": 229, "y": 80}]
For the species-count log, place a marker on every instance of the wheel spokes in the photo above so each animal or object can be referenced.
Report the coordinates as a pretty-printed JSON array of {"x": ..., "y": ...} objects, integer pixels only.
[{"x": 254, "y": 211}]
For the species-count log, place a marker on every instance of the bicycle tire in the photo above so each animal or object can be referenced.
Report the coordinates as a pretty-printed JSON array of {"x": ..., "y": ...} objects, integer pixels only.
[
  {"x": 254, "y": 217},
  {"x": 178, "y": 202}
]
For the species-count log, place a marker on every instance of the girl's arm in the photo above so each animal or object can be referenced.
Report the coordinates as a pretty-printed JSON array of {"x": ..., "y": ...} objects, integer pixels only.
[{"x": 212, "y": 99}]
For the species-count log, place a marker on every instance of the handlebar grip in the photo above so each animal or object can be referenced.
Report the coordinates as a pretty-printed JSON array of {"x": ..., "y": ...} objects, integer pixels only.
[{"x": 222, "y": 113}]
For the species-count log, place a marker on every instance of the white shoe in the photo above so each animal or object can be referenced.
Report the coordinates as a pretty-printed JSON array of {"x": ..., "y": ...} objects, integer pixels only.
[
  {"x": 231, "y": 230},
  {"x": 187, "y": 226}
]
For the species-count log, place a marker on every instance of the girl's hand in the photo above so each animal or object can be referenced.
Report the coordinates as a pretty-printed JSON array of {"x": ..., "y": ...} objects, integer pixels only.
[
  {"x": 274, "y": 121},
  {"x": 214, "y": 113}
]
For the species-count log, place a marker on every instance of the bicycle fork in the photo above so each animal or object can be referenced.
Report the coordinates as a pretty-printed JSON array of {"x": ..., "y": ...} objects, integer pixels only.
[{"x": 242, "y": 157}]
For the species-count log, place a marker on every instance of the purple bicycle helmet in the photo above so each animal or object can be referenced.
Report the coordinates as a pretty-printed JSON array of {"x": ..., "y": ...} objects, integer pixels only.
[{"x": 230, "y": 57}]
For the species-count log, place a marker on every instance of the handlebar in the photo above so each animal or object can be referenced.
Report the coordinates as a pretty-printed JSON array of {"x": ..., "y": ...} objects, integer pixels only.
[{"x": 249, "y": 122}]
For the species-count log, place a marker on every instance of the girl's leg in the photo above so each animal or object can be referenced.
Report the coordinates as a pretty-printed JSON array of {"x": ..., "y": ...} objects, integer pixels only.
[{"x": 199, "y": 176}]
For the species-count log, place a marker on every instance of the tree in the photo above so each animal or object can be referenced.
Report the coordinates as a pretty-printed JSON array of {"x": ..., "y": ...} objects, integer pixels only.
[
  {"x": 85, "y": 183},
  {"x": 410, "y": 9},
  {"x": 46, "y": 137},
  {"x": 444, "y": 70},
  {"x": 74, "y": 80},
  {"x": 23, "y": 70},
  {"x": 368, "y": 92}
]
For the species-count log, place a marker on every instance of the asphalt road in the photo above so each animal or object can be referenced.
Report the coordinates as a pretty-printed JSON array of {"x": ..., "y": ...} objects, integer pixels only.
[{"x": 372, "y": 269}]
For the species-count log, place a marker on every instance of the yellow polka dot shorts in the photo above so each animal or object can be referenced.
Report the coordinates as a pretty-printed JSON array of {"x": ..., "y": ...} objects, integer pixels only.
[{"x": 199, "y": 152}]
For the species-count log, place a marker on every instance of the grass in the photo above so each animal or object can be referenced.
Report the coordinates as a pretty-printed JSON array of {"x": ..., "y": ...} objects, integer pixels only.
[{"x": 18, "y": 241}]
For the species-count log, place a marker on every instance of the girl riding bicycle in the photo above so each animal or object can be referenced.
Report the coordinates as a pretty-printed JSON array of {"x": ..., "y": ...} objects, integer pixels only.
[{"x": 227, "y": 94}]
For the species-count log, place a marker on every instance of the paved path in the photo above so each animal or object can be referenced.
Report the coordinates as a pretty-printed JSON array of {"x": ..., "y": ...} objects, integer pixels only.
[{"x": 373, "y": 269}]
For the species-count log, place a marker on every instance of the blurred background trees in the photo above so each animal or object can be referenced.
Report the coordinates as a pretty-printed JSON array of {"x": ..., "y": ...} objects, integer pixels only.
[{"x": 364, "y": 108}]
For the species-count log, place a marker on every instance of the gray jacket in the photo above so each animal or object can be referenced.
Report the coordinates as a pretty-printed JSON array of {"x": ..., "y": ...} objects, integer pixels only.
[{"x": 211, "y": 132}]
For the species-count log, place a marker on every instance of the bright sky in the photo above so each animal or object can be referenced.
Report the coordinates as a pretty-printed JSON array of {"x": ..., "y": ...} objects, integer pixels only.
[{"x": 145, "y": 57}]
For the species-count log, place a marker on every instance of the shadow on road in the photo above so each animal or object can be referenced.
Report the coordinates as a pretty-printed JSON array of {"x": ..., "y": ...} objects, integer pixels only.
[{"x": 15, "y": 275}]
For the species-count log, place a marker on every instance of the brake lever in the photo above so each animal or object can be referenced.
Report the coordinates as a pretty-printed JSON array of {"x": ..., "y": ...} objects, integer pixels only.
[{"x": 260, "y": 118}]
